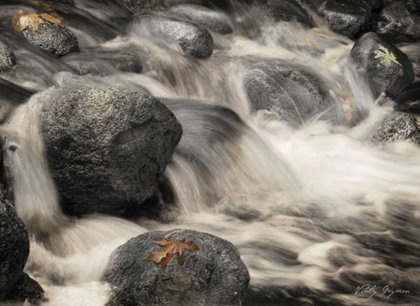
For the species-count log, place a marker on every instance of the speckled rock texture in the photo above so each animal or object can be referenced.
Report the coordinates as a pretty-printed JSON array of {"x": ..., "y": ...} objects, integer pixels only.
[
  {"x": 7, "y": 57},
  {"x": 398, "y": 127},
  {"x": 107, "y": 147},
  {"x": 52, "y": 38},
  {"x": 192, "y": 39},
  {"x": 212, "y": 275}
]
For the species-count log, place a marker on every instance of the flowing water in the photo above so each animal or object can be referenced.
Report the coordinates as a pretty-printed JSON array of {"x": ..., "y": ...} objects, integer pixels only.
[{"x": 316, "y": 212}]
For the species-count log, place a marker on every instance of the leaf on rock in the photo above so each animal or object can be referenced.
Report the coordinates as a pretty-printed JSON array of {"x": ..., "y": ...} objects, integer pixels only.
[
  {"x": 169, "y": 248},
  {"x": 386, "y": 56},
  {"x": 33, "y": 20}
]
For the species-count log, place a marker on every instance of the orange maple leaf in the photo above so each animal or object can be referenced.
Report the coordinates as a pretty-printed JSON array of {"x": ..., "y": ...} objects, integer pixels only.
[{"x": 169, "y": 248}]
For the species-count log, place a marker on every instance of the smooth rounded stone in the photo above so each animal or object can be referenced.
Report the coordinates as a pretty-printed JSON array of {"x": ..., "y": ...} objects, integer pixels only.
[
  {"x": 107, "y": 146},
  {"x": 53, "y": 38},
  {"x": 7, "y": 57},
  {"x": 283, "y": 10},
  {"x": 397, "y": 23},
  {"x": 193, "y": 40},
  {"x": 346, "y": 17},
  {"x": 104, "y": 62},
  {"x": 212, "y": 275},
  {"x": 384, "y": 73},
  {"x": 11, "y": 96},
  {"x": 14, "y": 247},
  {"x": 398, "y": 127},
  {"x": 210, "y": 19},
  {"x": 295, "y": 93}
]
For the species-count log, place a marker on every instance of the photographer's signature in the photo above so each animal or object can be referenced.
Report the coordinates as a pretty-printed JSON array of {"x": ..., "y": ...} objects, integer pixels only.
[{"x": 373, "y": 290}]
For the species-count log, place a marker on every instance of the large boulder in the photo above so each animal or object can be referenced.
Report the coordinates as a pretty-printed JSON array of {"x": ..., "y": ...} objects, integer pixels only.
[
  {"x": 192, "y": 39},
  {"x": 211, "y": 275},
  {"x": 210, "y": 19},
  {"x": 14, "y": 247},
  {"x": 107, "y": 147},
  {"x": 48, "y": 33},
  {"x": 7, "y": 57},
  {"x": 398, "y": 127},
  {"x": 397, "y": 23},
  {"x": 292, "y": 91},
  {"x": 388, "y": 69},
  {"x": 345, "y": 17}
]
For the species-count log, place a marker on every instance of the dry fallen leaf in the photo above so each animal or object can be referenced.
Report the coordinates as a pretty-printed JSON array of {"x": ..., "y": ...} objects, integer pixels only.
[
  {"x": 169, "y": 248},
  {"x": 33, "y": 20}
]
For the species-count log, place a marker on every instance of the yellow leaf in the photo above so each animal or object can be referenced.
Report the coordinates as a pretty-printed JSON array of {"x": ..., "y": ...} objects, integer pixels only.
[{"x": 33, "y": 20}]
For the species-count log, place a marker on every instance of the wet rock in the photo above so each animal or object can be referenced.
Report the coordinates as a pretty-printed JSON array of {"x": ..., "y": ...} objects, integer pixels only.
[
  {"x": 210, "y": 19},
  {"x": 192, "y": 39},
  {"x": 107, "y": 147},
  {"x": 389, "y": 73},
  {"x": 397, "y": 23},
  {"x": 11, "y": 96},
  {"x": 7, "y": 57},
  {"x": 413, "y": 53},
  {"x": 26, "y": 289},
  {"x": 54, "y": 38},
  {"x": 398, "y": 127},
  {"x": 139, "y": 6},
  {"x": 284, "y": 10},
  {"x": 104, "y": 62},
  {"x": 294, "y": 92},
  {"x": 409, "y": 99},
  {"x": 212, "y": 275},
  {"x": 14, "y": 247},
  {"x": 346, "y": 17}
]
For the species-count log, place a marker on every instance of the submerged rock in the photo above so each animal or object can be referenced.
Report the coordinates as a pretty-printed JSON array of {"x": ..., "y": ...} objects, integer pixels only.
[
  {"x": 398, "y": 127},
  {"x": 47, "y": 33},
  {"x": 107, "y": 147},
  {"x": 192, "y": 39},
  {"x": 211, "y": 275},
  {"x": 397, "y": 23},
  {"x": 388, "y": 69},
  {"x": 294, "y": 92},
  {"x": 7, "y": 57},
  {"x": 212, "y": 20}
]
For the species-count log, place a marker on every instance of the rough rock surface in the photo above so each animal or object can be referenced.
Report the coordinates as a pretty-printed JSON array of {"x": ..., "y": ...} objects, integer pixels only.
[
  {"x": 295, "y": 93},
  {"x": 213, "y": 20},
  {"x": 14, "y": 247},
  {"x": 107, "y": 147},
  {"x": 383, "y": 75},
  {"x": 7, "y": 57},
  {"x": 26, "y": 289},
  {"x": 398, "y": 127},
  {"x": 52, "y": 38},
  {"x": 139, "y": 6},
  {"x": 194, "y": 40},
  {"x": 212, "y": 275},
  {"x": 284, "y": 10}
]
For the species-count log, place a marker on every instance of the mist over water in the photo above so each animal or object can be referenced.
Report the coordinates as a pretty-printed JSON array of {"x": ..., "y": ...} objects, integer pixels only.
[{"x": 314, "y": 211}]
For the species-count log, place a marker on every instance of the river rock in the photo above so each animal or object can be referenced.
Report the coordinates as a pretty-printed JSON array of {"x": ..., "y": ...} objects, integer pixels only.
[
  {"x": 346, "y": 17},
  {"x": 53, "y": 38},
  {"x": 14, "y": 247},
  {"x": 283, "y": 10},
  {"x": 413, "y": 53},
  {"x": 384, "y": 74},
  {"x": 140, "y": 6},
  {"x": 294, "y": 92},
  {"x": 107, "y": 147},
  {"x": 192, "y": 39},
  {"x": 210, "y": 19},
  {"x": 398, "y": 127},
  {"x": 212, "y": 275},
  {"x": 104, "y": 62},
  {"x": 398, "y": 24},
  {"x": 7, "y": 57},
  {"x": 409, "y": 99}
]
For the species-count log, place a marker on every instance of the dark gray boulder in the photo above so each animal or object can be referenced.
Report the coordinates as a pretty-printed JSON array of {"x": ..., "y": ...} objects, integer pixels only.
[
  {"x": 409, "y": 99},
  {"x": 398, "y": 24},
  {"x": 7, "y": 57},
  {"x": 294, "y": 92},
  {"x": 14, "y": 247},
  {"x": 398, "y": 127},
  {"x": 52, "y": 38},
  {"x": 210, "y": 19},
  {"x": 413, "y": 53},
  {"x": 212, "y": 275},
  {"x": 192, "y": 39},
  {"x": 139, "y": 6},
  {"x": 107, "y": 147},
  {"x": 26, "y": 290},
  {"x": 346, "y": 17},
  {"x": 104, "y": 62},
  {"x": 384, "y": 75}
]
